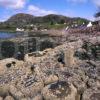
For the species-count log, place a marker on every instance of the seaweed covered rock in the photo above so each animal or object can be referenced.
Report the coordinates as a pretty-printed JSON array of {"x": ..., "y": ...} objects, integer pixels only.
[
  {"x": 60, "y": 90},
  {"x": 89, "y": 50},
  {"x": 29, "y": 85},
  {"x": 54, "y": 74}
]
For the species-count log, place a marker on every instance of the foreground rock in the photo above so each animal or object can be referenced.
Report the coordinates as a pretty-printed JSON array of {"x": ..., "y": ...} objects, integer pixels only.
[
  {"x": 60, "y": 90},
  {"x": 9, "y": 98},
  {"x": 62, "y": 73},
  {"x": 91, "y": 94}
]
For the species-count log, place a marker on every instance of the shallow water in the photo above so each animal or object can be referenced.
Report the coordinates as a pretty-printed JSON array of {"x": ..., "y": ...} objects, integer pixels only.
[{"x": 4, "y": 35}]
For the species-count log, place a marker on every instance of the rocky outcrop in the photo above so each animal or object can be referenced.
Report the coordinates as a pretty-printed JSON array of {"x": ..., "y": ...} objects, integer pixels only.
[
  {"x": 9, "y": 98},
  {"x": 54, "y": 74}
]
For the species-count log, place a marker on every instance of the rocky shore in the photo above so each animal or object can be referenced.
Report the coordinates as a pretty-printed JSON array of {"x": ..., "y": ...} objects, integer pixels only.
[{"x": 68, "y": 72}]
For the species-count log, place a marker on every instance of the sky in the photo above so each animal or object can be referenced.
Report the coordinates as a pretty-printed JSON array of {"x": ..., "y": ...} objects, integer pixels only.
[{"x": 71, "y": 8}]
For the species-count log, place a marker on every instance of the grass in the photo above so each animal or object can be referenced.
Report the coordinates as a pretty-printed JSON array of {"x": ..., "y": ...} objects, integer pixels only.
[
  {"x": 54, "y": 26},
  {"x": 8, "y": 31}
]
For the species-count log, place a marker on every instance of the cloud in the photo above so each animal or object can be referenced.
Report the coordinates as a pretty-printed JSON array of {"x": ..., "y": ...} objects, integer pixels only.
[
  {"x": 15, "y": 4},
  {"x": 96, "y": 2},
  {"x": 38, "y": 11}
]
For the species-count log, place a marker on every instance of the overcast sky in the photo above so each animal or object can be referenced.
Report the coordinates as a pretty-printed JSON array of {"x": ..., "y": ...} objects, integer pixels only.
[{"x": 73, "y": 8}]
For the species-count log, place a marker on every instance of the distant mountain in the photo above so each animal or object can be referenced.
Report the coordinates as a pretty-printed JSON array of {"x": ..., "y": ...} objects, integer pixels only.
[
  {"x": 52, "y": 18},
  {"x": 22, "y": 20}
]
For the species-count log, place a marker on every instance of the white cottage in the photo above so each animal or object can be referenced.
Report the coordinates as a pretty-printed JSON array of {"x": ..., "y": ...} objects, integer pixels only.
[
  {"x": 19, "y": 30},
  {"x": 89, "y": 24}
]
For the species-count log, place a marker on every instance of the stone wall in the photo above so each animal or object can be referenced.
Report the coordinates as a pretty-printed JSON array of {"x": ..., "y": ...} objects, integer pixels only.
[{"x": 30, "y": 44}]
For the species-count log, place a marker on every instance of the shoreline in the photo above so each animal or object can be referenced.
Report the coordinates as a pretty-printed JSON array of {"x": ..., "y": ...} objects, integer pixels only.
[{"x": 8, "y": 31}]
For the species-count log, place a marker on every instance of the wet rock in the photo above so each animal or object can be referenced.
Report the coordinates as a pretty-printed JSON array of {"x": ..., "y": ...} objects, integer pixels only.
[{"x": 60, "y": 90}]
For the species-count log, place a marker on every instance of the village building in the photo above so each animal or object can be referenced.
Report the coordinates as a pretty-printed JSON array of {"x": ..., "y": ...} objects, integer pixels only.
[
  {"x": 19, "y": 30},
  {"x": 89, "y": 24}
]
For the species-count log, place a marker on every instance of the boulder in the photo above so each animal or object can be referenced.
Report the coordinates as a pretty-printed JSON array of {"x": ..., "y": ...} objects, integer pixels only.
[
  {"x": 25, "y": 98},
  {"x": 15, "y": 92},
  {"x": 29, "y": 85},
  {"x": 91, "y": 94},
  {"x": 4, "y": 90},
  {"x": 1, "y": 98},
  {"x": 9, "y": 98},
  {"x": 51, "y": 79},
  {"x": 9, "y": 64}
]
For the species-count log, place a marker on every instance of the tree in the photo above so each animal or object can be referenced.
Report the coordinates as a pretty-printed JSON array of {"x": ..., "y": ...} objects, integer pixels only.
[
  {"x": 51, "y": 23},
  {"x": 62, "y": 21}
]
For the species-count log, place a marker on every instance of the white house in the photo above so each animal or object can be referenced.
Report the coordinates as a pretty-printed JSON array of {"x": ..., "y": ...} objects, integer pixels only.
[
  {"x": 19, "y": 30},
  {"x": 76, "y": 25},
  {"x": 31, "y": 25},
  {"x": 67, "y": 28},
  {"x": 89, "y": 24},
  {"x": 83, "y": 23}
]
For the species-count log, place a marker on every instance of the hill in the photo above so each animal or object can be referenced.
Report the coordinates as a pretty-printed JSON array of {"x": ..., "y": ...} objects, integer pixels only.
[
  {"x": 20, "y": 19},
  {"x": 24, "y": 20}
]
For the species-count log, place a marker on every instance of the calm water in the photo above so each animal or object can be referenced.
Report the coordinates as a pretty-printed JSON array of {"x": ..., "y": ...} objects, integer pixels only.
[{"x": 4, "y": 35}]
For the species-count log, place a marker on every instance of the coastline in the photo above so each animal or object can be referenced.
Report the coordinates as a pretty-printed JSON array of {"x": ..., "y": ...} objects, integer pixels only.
[{"x": 8, "y": 31}]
